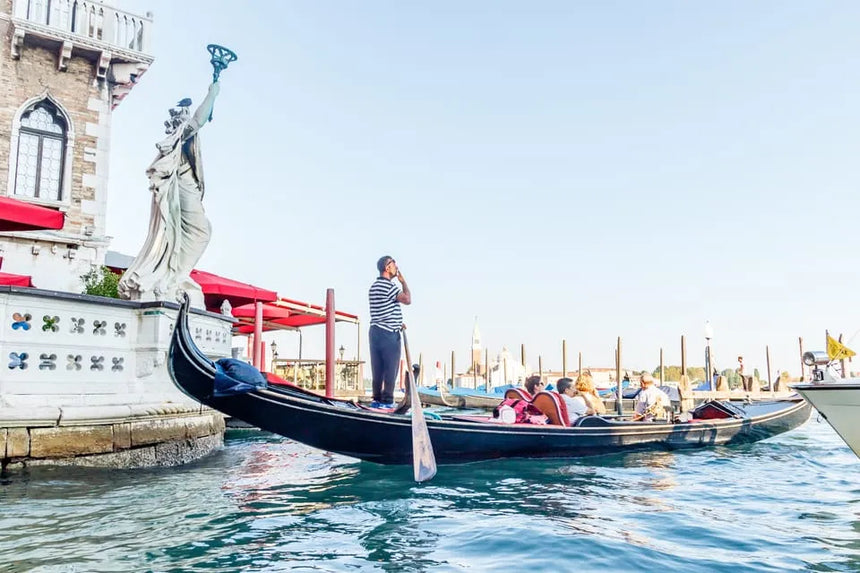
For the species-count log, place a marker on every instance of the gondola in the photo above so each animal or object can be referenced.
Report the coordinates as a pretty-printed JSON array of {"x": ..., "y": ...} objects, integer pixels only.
[
  {"x": 460, "y": 398},
  {"x": 350, "y": 429}
]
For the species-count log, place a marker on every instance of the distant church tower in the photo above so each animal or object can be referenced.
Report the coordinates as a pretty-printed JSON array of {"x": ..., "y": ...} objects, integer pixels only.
[
  {"x": 65, "y": 65},
  {"x": 477, "y": 350}
]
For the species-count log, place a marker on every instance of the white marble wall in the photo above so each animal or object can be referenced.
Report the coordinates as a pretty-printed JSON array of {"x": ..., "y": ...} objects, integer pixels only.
[
  {"x": 59, "y": 351},
  {"x": 49, "y": 259}
]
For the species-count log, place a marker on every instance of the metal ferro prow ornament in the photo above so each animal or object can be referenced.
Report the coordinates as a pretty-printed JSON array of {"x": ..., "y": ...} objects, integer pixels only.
[{"x": 221, "y": 58}]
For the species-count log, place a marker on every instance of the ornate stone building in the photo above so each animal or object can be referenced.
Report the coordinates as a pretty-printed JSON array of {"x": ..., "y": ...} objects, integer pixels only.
[{"x": 65, "y": 65}]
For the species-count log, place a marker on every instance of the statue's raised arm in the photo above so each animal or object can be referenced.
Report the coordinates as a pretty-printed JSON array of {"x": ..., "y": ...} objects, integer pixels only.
[{"x": 203, "y": 112}]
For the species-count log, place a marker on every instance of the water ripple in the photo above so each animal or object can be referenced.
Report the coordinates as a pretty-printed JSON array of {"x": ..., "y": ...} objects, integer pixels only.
[{"x": 267, "y": 504}]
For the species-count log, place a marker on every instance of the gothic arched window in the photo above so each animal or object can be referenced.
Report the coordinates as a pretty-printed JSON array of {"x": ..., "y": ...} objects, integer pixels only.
[{"x": 41, "y": 148}]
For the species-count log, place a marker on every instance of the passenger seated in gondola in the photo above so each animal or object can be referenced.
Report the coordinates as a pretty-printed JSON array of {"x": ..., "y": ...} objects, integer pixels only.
[
  {"x": 534, "y": 384},
  {"x": 573, "y": 399},
  {"x": 651, "y": 402},
  {"x": 585, "y": 386}
]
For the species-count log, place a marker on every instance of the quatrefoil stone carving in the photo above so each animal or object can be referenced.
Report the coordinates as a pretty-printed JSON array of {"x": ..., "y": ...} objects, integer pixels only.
[
  {"x": 18, "y": 360},
  {"x": 52, "y": 323},
  {"x": 74, "y": 361}
]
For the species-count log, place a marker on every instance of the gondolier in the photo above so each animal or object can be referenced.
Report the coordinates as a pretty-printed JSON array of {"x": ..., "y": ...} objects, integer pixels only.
[{"x": 386, "y": 322}]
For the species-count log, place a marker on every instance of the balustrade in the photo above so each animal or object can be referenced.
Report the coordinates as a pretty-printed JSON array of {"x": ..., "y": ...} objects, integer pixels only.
[
  {"x": 89, "y": 19},
  {"x": 310, "y": 374}
]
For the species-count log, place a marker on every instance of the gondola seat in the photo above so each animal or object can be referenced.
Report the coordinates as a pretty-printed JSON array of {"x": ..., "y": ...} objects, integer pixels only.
[
  {"x": 517, "y": 394},
  {"x": 553, "y": 407},
  {"x": 716, "y": 410},
  {"x": 591, "y": 422}
]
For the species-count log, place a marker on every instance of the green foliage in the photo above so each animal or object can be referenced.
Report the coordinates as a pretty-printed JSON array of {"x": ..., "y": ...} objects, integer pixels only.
[
  {"x": 673, "y": 373},
  {"x": 696, "y": 373},
  {"x": 101, "y": 281},
  {"x": 733, "y": 378}
]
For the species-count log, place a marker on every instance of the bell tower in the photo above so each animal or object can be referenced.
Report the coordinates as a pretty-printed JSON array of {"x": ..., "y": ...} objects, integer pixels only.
[{"x": 477, "y": 350}]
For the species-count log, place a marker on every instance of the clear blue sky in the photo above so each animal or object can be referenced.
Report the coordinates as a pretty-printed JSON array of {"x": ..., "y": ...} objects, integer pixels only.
[{"x": 561, "y": 170}]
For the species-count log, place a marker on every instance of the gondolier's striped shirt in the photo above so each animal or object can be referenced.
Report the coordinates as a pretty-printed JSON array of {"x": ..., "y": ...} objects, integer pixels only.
[{"x": 384, "y": 307}]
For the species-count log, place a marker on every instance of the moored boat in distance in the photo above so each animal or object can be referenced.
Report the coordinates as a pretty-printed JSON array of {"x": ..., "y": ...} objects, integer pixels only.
[
  {"x": 350, "y": 429},
  {"x": 465, "y": 398}
]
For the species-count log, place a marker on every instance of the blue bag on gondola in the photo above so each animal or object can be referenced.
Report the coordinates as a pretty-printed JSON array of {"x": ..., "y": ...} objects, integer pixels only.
[{"x": 236, "y": 377}]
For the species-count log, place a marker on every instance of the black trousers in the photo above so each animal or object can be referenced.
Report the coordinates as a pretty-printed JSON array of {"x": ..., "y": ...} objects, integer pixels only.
[{"x": 384, "y": 362}]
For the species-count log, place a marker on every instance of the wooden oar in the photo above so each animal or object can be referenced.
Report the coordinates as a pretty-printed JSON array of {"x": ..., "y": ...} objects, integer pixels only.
[{"x": 423, "y": 459}]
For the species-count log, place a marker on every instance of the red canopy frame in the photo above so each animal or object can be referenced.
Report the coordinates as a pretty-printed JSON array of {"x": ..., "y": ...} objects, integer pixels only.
[
  {"x": 18, "y": 215},
  {"x": 286, "y": 314}
]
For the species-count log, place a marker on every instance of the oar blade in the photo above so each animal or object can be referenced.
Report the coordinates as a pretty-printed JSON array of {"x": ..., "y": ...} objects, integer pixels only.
[{"x": 423, "y": 458}]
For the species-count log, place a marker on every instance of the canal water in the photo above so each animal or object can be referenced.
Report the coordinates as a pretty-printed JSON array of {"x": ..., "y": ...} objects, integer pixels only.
[{"x": 264, "y": 503}]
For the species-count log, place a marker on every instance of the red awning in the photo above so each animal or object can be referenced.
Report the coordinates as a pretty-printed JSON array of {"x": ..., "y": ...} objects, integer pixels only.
[
  {"x": 217, "y": 288},
  {"x": 8, "y": 279},
  {"x": 18, "y": 215},
  {"x": 286, "y": 314}
]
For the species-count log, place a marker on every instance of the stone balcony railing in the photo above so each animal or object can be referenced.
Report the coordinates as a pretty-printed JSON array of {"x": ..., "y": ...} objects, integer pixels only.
[{"x": 86, "y": 23}]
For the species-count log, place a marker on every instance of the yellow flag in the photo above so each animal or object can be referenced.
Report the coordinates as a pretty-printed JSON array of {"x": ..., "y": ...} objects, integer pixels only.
[{"x": 836, "y": 350}]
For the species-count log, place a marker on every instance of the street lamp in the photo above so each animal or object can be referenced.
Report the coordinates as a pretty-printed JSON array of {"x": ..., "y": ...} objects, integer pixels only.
[
  {"x": 274, "y": 347},
  {"x": 709, "y": 334},
  {"x": 340, "y": 351}
]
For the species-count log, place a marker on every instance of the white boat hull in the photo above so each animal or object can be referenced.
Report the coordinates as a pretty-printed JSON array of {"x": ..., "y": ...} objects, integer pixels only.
[{"x": 839, "y": 404}]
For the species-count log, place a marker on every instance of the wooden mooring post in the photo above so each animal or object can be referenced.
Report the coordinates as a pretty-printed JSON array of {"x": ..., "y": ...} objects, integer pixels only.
[
  {"x": 802, "y": 365},
  {"x": 523, "y": 357},
  {"x": 769, "y": 379},
  {"x": 619, "y": 395},
  {"x": 687, "y": 402},
  {"x": 842, "y": 361},
  {"x": 662, "y": 370},
  {"x": 564, "y": 358}
]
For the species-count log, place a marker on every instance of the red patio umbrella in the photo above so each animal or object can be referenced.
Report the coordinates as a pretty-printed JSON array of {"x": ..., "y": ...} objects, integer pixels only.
[{"x": 22, "y": 216}]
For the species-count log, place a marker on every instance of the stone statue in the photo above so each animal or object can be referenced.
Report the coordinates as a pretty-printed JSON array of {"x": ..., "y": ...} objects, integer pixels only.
[{"x": 178, "y": 228}]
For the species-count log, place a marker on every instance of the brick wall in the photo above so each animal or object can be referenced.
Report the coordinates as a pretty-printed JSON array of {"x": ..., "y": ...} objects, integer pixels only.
[{"x": 32, "y": 75}]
